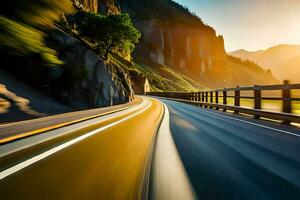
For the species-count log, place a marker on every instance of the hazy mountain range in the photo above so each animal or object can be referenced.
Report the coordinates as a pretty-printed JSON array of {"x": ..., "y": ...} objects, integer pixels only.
[{"x": 283, "y": 60}]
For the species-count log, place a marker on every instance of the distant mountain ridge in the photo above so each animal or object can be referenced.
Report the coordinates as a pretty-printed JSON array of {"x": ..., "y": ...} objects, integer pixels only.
[{"x": 283, "y": 60}]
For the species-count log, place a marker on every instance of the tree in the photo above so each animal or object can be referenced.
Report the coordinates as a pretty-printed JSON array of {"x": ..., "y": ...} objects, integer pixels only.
[{"x": 108, "y": 34}]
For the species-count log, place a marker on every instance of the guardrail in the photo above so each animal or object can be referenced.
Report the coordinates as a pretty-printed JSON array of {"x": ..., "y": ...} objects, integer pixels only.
[{"x": 212, "y": 99}]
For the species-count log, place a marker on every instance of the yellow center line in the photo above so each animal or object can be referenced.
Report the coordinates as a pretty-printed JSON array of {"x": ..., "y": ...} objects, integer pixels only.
[{"x": 49, "y": 128}]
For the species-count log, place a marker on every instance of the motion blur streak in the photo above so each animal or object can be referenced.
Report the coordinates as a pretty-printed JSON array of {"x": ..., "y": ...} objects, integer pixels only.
[
  {"x": 169, "y": 180},
  {"x": 227, "y": 158}
]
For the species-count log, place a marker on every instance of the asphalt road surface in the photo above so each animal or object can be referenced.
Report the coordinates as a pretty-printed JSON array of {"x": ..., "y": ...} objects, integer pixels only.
[
  {"x": 228, "y": 157},
  {"x": 109, "y": 161},
  {"x": 151, "y": 150}
]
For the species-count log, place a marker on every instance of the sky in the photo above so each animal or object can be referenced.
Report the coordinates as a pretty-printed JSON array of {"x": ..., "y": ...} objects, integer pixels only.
[{"x": 250, "y": 24}]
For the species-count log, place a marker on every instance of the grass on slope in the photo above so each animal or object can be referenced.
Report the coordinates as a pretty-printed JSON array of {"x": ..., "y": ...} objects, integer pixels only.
[
  {"x": 249, "y": 75},
  {"x": 161, "y": 78}
]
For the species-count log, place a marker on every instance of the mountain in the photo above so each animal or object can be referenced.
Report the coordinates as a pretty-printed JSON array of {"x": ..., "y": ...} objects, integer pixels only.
[
  {"x": 175, "y": 38},
  {"x": 291, "y": 70},
  {"x": 283, "y": 60}
]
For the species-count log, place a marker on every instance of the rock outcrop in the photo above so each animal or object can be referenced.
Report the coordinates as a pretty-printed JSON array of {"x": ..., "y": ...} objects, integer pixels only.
[
  {"x": 172, "y": 40},
  {"x": 181, "y": 47},
  {"x": 174, "y": 37},
  {"x": 104, "y": 85},
  {"x": 87, "y": 5},
  {"x": 102, "y": 6}
]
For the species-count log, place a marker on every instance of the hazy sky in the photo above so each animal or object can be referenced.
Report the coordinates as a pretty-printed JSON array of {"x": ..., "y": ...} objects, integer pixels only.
[{"x": 250, "y": 24}]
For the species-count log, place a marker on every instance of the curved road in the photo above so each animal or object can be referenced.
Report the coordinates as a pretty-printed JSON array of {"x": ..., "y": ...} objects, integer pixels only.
[
  {"x": 109, "y": 159},
  {"x": 150, "y": 150},
  {"x": 230, "y": 157}
]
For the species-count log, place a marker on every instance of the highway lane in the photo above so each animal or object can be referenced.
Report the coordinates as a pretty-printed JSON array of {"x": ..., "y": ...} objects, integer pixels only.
[
  {"x": 109, "y": 160},
  {"x": 226, "y": 157}
]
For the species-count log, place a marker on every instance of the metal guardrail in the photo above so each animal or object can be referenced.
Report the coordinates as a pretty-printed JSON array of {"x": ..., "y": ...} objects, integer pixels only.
[{"x": 211, "y": 99}]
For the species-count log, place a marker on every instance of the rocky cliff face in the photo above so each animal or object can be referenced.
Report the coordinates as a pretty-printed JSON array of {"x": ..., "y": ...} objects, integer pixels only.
[
  {"x": 87, "y": 5},
  {"x": 184, "y": 48},
  {"x": 104, "y": 85},
  {"x": 103, "y": 6},
  {"x": 171, "y": 41},
  {"x": 174, "y": 37}
]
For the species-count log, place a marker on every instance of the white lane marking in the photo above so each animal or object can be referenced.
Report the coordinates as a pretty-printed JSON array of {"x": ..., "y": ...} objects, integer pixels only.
[
  {"x": 50, "y": 152},
  {"x": 170, "y": 180},
  {"x": 18, "y": 145},
  {"x": 251, "y": 123}
]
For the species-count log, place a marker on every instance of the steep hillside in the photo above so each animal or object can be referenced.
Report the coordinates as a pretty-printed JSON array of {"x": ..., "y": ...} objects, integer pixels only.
[
  {"x": 175, "y": 38},
  {"x": 281, "y": 59},
  {"x": 291, "y": 70},
  {"x": 40, "y": 48}
]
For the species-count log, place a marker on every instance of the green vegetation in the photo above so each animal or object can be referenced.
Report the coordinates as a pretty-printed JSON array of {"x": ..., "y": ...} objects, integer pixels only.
[
  {"x": 23, "y": 40},
  {"x": 23, "y": 26},
  {"x": 107, "y": 34},
  {"x": 161, "y": 78}
]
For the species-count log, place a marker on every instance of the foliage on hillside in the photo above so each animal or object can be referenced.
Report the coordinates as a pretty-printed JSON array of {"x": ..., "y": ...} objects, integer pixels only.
[
  {"x": 161, "y": 78},
  {"x": 107, "y": 34},
  {"x": 23, "y": 25},
  {"x": 250, "y": 73},
  {"x": 247, "y": 63}
]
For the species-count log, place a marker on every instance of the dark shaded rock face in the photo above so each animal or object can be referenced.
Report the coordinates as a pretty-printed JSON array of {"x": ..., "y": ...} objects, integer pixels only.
[
  {"x": 140, "y": 83},
  {"x": 104, "y": 85}
]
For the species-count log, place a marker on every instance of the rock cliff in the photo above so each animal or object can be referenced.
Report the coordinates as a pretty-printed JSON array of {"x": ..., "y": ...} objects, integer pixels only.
[
  {"x": 103, "y": 6},
  {"x": 172, "y": 36},
  {"x": 172, "y": 39},
  {"x": 104, "y": 84},
  {"x": 183, "y": 48}
]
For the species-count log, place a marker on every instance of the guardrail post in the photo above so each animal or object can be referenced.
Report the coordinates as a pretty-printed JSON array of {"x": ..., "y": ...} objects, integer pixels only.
[
  {"x": 224, "y": 99},
  {"x": 211, "y": 98},
  {"x": 237, "y": 102},
  {"x": 202, "y": 98},
  {"x": 257, "y": 99},
  {"x": 217, "y": 100},
  {"x": 206, "y": 99},
  {"x": 286, "y": 102}
]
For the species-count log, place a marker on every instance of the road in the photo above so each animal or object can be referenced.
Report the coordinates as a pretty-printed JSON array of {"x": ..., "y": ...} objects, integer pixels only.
[
  {"x": 109, "y": 161},
  {"x": 156, "y": 149},
  {"x": 233, "y": 157}
]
